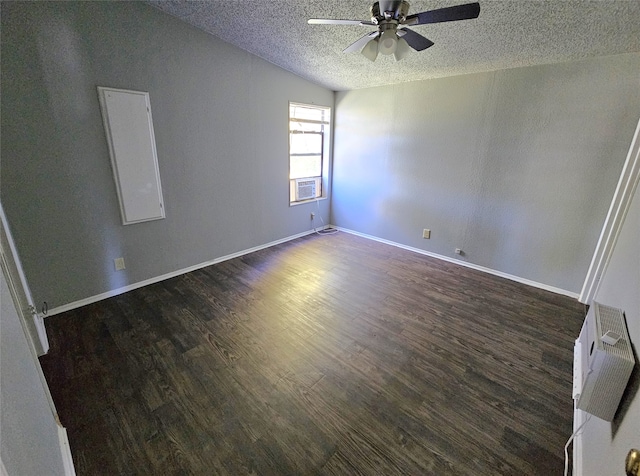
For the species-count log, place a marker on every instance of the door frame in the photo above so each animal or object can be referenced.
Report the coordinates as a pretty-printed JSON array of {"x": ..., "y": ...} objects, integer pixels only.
[
  {"x": 32, "y": 322},
  {"x": 33, "y": 327},
  {"x": 618, "y": 209}
]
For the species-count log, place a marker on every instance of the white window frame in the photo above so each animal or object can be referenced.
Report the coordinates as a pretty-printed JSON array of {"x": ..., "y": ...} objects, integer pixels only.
[{"x": 321, "y": 180}]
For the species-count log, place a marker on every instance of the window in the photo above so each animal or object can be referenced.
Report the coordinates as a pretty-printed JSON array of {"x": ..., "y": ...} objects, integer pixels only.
[{"x": 309, "y": 134}]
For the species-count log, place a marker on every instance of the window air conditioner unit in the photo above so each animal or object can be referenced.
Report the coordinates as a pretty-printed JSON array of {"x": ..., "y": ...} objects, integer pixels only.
[
  {"x": 602, "y": 362},
  {"x": 305, "y": 189}
]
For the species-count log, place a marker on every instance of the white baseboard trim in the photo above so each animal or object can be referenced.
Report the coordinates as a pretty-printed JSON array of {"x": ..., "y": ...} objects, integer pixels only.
[
  {"x": 130, "y": 287},
  {"x": 466, "y": 264},
  {"x": 157, "y": 279},
  {"x": 65, "y": 451}
]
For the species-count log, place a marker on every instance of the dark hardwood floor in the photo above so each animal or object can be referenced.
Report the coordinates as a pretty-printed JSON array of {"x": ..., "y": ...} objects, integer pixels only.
[{"x": 324, "y": 355}]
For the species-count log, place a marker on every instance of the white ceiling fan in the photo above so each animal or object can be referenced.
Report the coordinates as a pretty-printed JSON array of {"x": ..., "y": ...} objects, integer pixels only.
[{"x": 388, "y": 15}]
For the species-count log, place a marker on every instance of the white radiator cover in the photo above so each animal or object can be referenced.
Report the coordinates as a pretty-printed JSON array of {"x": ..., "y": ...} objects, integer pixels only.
[{"x": 601, "y": 369}]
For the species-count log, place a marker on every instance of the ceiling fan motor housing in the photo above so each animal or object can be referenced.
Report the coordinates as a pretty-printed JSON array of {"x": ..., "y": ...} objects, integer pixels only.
[
  {"x": 387, "y": 15},
  {"x": 386, "y": 10}
]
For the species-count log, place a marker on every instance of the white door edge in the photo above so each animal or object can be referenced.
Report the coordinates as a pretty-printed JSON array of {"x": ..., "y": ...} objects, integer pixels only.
[{"x": 17, "y": 281}]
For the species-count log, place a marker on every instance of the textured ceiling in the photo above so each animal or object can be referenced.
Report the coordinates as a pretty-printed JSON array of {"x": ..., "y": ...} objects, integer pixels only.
[{"x": 507, "y": 34}]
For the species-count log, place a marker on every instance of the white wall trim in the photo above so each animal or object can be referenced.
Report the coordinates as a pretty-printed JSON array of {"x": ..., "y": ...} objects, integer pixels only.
[
  {"x": 620, "y": 204},
  {"x": 65, "y": 451},
  {"x": 173, "y": 274},
  {"x": 466, "y": 264}
]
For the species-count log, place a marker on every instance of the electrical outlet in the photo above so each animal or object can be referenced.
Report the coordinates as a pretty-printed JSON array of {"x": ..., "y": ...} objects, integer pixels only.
[
  {"x": 459, "y": 252},
  {"x": 426, "y": 233},
  {"x": 119, "y": 262},
  {"x": 313, "y": 215}
]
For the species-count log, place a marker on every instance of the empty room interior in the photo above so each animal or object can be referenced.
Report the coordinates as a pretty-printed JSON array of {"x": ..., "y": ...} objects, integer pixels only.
[{"x": 230, "y": 247}]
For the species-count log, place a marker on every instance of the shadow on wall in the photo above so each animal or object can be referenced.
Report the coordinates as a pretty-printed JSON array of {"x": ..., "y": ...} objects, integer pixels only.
[{"x": 65, "y": 62}]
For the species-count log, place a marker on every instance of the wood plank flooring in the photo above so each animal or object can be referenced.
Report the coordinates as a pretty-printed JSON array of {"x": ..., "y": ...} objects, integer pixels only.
[{"x": 325, "y": 355}]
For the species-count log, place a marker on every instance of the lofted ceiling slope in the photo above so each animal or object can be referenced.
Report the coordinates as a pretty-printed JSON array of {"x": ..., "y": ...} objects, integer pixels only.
[{"x": 507, "y": 34}]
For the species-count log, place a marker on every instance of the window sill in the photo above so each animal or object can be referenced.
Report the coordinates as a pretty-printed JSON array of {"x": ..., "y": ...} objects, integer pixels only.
[{"x": 293, "y": 204}]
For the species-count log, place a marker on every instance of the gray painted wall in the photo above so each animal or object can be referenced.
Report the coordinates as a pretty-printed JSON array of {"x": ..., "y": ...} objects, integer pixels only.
[
  {"x": 28, "y": 433},
  {"x": 605, "y": 444},
  {"x": 220, "y": 118},
  {"x": 516, "y": 167}
]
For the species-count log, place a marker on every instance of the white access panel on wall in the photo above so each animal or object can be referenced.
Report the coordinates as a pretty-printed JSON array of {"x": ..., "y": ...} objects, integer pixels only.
[{"x": 132, "y": 147}]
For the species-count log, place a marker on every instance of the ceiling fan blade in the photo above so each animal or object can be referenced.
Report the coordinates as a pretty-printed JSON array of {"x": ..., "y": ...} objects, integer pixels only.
[
  {"x": 360, "y": 43},
  {"x": 458, "y": 12},
  {"x": 415, "y": 40},
  {"x": 329, "y": 21}
]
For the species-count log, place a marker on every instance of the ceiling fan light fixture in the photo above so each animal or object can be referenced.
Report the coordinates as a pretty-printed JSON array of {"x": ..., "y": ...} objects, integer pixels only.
[
  {"x": 402, "y": 49},
  {"x": 370, "y": 50},
  {"x": 388, "y": 15},
  {"x": 388, "y": 42}
]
